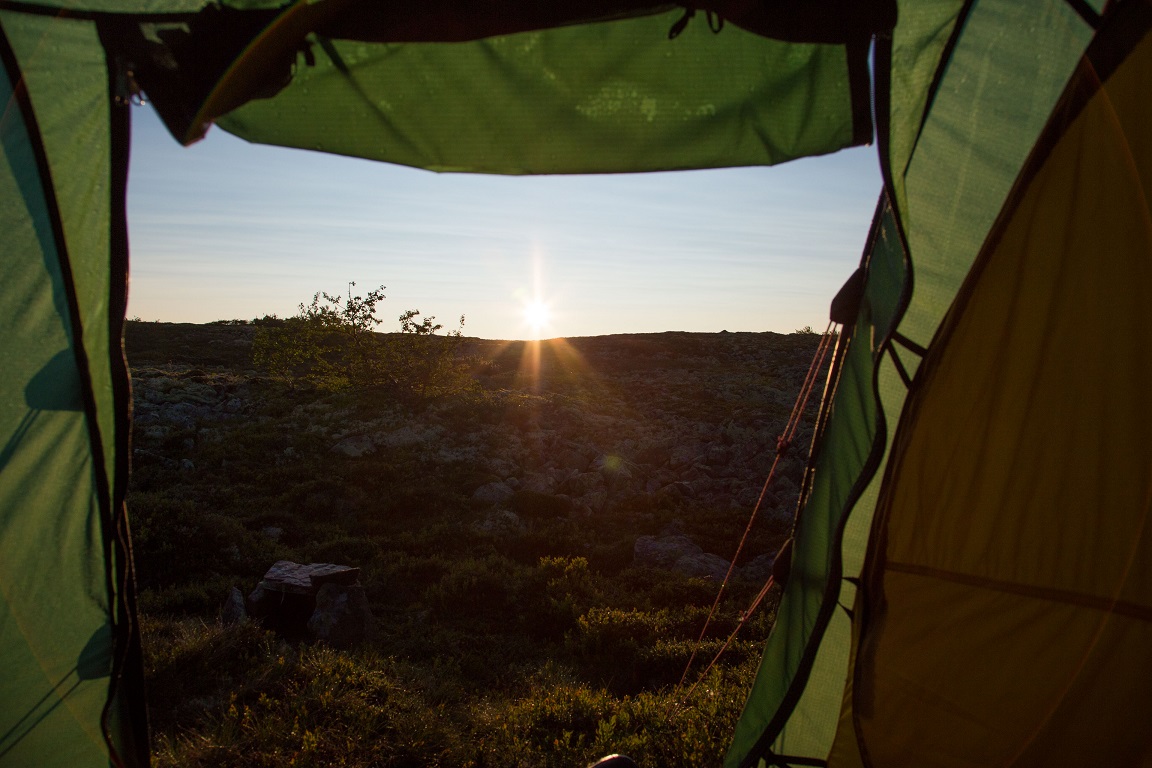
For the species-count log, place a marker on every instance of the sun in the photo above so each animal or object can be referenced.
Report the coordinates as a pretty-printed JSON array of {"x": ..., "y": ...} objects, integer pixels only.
[{"x": 536, "y": 316}]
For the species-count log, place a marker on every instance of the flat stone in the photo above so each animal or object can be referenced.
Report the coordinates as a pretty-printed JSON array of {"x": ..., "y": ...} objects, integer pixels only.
[
  {"x": 326, "y": 573},
  {"x": 295, "y": 578}
]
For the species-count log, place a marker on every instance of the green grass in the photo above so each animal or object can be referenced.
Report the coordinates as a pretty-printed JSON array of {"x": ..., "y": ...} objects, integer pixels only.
[{"x": 237, "y": 696}]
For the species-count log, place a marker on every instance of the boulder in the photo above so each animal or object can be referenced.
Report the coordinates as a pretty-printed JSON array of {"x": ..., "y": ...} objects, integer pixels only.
[
  {"x": 500, "y": 522},
  {"x": 538, "y": 482},
  {"x": 406, "y": 436},
  {"x": 234, "y": 611},
  {"x": 295, "y": 578},
  {"x": 355, "y": 446},
  {"x": 653, "y": 455},
  {"x": 531, "y": 504},
  {"x": 677, "y": 552},
  {"x": 663, "y": 551},
  {"x": 581, "y": 483},
  {"x": 493, "y": 493},
  {"x": 704, "y": 565},
  {"x": 342, "y": 617},
  {"x": 285, "y": 613},
  {"x": 286, "y": 598},
  {"x": 759, "y": 568},
  {"x": 259, "y": 602}
]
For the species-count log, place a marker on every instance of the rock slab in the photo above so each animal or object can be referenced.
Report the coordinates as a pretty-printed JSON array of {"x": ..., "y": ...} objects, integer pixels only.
[
  {"x": 314, "y": 601},
  {"x": 297, "y": 578}
]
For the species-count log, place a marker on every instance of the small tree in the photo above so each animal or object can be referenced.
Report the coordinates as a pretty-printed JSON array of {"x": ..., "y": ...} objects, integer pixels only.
[
  {"x": 328, "y": 342},
  {"x": 332, "y": 343},
  {"x": 428, "y": 367}
]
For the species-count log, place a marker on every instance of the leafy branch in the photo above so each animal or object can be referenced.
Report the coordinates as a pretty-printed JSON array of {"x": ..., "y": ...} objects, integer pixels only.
[{"x": 332, "y": 344}]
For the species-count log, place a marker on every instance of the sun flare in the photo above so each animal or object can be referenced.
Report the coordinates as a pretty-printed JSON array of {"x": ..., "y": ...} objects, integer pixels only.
[{"x": 536, "y": 316}]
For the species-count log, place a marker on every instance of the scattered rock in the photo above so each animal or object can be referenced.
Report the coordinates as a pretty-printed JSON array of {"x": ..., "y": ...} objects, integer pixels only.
[
  {"x": 234, "y": 610},
  {"x": 406, "y": 435},
  {"x": 704, "y": 565},
  {"x": 677, "y": 552},
  {"x": 759, "y": 568},
  {"x": 654, "y": 455},
  {"x": 355, "y": 446},
  {"x": 614, "y": 467},
  {"x": 660, "y": 422},
  {"x": 501, "y": 522},
  {"x": 664, "y": 551},
  {"x": 493, "y": 493},
  {"x": 533, "y": 504}
]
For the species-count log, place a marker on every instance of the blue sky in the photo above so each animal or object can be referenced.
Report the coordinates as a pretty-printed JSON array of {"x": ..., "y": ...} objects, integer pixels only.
[{"x": 226, "y": 229}]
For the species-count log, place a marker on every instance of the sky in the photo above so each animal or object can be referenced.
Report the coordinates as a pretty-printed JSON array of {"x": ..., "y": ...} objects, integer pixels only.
[{"x": 230, "y": 230}]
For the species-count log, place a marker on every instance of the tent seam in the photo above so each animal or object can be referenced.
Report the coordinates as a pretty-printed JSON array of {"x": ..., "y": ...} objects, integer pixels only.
[
  {"x": 127, "y": 660},
  {"x": 57, "y": 12}
]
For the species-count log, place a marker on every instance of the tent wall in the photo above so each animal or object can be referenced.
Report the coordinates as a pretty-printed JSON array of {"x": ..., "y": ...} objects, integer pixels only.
[
  {"x": 965, "y": 88},
  {"x": 65, "y": 644},
  {"x": 1009, "y": 592},
  {"x": 795, "y": 677}
]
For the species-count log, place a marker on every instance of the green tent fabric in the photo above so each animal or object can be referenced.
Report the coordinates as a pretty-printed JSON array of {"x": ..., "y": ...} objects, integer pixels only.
[
  {"x": 602, "y": 98},
  {"x": 967, "y": 232},
  {"x": 66, "y": 640}
]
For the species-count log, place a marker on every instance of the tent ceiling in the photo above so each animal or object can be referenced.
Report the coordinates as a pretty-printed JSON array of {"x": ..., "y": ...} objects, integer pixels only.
[{"x": 791, "y": 77}]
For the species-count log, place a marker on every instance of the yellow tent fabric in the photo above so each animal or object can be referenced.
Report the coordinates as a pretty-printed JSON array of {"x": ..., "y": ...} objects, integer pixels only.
[{"x": 1008, "y": 596}]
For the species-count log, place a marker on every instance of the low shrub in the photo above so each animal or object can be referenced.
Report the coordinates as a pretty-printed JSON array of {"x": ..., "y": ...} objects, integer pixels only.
[{"x": 311, "y": 706}]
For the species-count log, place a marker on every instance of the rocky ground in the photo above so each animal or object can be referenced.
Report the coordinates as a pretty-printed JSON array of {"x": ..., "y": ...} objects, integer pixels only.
[
  {"x": 657, "y": 427},
  {"x": 528, "y": 564}
]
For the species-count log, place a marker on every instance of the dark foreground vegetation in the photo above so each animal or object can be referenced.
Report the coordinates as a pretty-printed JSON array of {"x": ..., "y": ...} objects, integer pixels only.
[{"x": 495, "y": 517}]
